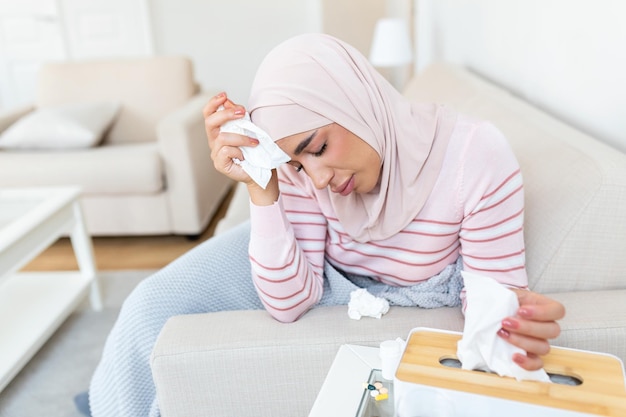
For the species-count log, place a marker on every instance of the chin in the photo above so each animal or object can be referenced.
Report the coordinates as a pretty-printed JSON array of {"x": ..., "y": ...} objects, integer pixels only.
[{"x": 371, "y": 190}]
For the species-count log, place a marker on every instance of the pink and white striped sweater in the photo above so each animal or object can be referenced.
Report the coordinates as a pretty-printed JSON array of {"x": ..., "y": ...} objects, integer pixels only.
[{"x": 475, "y": 210}]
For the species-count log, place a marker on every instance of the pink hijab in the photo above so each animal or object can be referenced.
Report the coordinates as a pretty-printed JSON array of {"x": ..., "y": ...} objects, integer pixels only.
[{"x": 312, "y": 80}]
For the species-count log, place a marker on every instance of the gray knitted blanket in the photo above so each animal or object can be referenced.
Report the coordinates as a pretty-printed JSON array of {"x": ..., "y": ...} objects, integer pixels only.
[{"x": 443, "y": 289}]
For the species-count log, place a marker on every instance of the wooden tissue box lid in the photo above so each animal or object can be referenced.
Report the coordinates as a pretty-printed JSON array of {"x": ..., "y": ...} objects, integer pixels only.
[{"x": 602, "y": 391}]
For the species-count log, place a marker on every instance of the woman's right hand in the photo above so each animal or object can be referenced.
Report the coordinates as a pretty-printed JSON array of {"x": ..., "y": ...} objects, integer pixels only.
[{"x": 225, "y": 146}]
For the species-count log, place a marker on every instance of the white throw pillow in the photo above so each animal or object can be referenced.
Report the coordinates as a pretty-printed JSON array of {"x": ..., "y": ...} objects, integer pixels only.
[{"x": 70, "y": 126}]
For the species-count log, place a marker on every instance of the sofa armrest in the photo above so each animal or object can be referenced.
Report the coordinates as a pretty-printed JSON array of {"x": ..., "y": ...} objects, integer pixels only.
[
  {"x": 10, "y": 116},
  {"x": 190, "y": 175},
  {"x": 245, "y": 363},
  {"x": 239, "y": 363}
]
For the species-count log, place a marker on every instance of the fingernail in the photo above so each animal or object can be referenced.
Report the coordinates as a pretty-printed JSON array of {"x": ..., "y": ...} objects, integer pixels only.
[
  {"x": 239, "y": 112},
  {"x": 254, "y": 141},
  {"x": 220, "y": 95},
  {"x": 504, "y": 334},
  {"x": 510, "y": 324},
  {"x": 518, "y": 359},
  {"x": 523, "y": 312}
]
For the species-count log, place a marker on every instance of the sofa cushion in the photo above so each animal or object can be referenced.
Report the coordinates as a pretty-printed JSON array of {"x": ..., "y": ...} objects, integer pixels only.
[
  {"x": 71, "y": 126},
  {"x": 147, "y": 88},
  {"x": 573, "y": 183},
  {"x": 120, "y": 169}
]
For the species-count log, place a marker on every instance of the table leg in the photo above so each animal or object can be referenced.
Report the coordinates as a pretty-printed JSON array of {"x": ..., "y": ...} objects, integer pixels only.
[{"x": 83, "y": 249}]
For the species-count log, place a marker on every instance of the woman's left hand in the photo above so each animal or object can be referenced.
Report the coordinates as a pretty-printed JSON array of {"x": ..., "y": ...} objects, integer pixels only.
[{"x": 532, "y": 326}]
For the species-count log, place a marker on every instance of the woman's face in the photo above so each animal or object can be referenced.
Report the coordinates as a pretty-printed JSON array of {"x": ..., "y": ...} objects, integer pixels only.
[{"x": 334, "y": 157}]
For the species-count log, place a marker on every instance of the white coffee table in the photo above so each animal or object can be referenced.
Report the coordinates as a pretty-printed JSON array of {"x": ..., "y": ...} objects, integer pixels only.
[
  {"x": 34, "y": 304},
  {"x": 342, "y": 391}
]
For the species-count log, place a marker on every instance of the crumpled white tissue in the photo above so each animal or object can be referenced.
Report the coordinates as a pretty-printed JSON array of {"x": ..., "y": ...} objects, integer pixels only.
[
  {"x": 364, "y": 304},
  {"x": 258, "y": 160},
  {"x": 488, "y": 303}
]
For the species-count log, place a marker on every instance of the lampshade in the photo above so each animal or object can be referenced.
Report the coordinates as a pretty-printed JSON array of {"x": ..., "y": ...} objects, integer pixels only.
[{"x": 391, "y": 46}]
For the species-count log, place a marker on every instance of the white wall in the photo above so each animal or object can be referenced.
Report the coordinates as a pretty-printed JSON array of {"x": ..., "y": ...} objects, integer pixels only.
[
  {"x": 228, "y": 39},
  {"x": 225, "y": 39},
  {"x": 33, "y": 32},
  {"x": 565, "y": 56}
]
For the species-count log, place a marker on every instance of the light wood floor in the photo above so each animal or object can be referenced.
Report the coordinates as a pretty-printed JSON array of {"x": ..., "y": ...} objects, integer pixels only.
[{"x": 119, "y": 253}]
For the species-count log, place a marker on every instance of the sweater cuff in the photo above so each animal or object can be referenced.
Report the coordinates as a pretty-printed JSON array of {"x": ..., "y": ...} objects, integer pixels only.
[{"x": 268, "y": 221}]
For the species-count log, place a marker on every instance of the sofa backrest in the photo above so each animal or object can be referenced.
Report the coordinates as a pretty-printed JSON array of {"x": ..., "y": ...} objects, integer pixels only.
[
  {"x": 575, "y": 186},
  {"x": 146, "y": 88}
]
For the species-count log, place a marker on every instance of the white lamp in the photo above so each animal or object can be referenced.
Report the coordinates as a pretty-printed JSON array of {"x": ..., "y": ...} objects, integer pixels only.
[{"x": 391, "y": 45}]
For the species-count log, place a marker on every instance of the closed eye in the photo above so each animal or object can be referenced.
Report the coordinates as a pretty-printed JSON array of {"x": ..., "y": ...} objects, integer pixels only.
[
  {"x": 297, "y": 167},
  {"x": 321, "y": 151}
]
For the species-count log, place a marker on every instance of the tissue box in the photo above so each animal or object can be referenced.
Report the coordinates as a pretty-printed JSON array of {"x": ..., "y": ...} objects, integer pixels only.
[{"x": 429, "y": 382}]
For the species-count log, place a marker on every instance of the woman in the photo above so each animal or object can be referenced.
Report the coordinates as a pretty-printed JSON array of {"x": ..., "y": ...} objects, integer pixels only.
[{"x": 380, "y": 193}]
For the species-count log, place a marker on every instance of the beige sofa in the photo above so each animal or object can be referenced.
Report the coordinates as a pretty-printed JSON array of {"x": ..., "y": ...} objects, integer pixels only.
[
  {"x": 245, "y": 363},
  {"x": 152, "y": 174}
]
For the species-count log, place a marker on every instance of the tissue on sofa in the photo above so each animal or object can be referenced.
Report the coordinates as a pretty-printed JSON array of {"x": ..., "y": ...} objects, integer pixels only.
[{"x": 364, "y": 304}]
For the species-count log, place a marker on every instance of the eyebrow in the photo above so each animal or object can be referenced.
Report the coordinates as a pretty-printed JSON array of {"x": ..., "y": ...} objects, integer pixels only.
[{"x": 302, "y": 145}]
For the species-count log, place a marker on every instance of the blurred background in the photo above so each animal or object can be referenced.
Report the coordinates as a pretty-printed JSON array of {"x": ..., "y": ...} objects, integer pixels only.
[{"x": 565, "y": 56}]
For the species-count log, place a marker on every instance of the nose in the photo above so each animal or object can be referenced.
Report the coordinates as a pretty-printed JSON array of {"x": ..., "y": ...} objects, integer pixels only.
[{"x": 321, "y": 177}]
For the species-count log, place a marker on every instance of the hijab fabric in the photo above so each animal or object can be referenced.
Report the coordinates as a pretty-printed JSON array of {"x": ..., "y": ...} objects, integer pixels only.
[{"x": 312, "y": 80}]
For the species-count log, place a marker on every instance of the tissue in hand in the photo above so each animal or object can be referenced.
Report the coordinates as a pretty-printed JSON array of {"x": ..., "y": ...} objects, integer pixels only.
[
  {"x": 258, "y": 160},
  {"x": 488, "y": 303}
]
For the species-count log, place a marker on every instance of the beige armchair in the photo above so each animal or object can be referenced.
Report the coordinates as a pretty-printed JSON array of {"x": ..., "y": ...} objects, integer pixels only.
[{"x": 152, "y": 172}]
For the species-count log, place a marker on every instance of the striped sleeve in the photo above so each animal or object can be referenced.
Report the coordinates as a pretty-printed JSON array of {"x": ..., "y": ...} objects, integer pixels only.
[
  {"x": 287, "y": 243},
  {"x": 492, "y": 233}
]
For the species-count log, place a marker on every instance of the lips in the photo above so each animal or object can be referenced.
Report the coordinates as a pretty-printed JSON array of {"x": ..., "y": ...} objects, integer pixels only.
[{"x": 347, "y": 187}]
